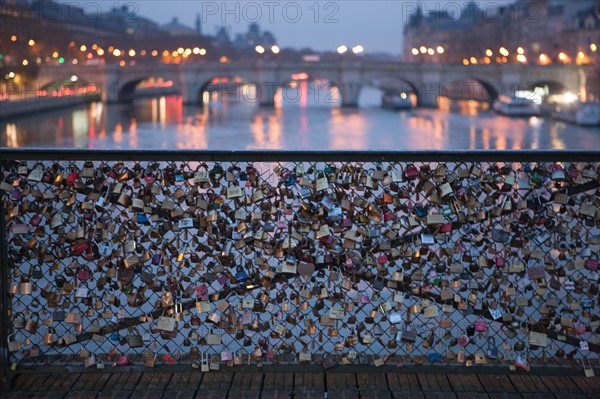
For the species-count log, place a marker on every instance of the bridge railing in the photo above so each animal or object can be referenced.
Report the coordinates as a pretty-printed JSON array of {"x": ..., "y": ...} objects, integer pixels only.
[{"x": 227, "y": 258}]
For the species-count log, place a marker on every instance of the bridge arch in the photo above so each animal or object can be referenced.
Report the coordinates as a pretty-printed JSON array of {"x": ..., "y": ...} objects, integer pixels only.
[
  {"x": 231, "y": 88},
  {"x": 303, "y": 89},
  {"x": 470, "y": 89},
  {"x": 72, "y": 85},
  {"x": 156, "y": 85},
  {"x": 398, "y": 86}
]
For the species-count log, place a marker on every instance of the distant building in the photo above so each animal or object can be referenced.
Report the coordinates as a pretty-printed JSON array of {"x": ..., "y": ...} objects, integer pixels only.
[
  {"x": 253, "y": 38},
  {"x": 174, "y": 28}
]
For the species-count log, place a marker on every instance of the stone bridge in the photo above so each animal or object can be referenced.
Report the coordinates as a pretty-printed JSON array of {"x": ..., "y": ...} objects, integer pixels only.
[{"x": 427, "y": 81}]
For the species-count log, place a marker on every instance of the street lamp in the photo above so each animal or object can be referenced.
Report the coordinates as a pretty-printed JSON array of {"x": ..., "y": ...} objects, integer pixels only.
[
  {"x": 358, "y": 49},
  {"x": 260, "y": 49},
  {"x": 275, "y": 49},
  {"x": 415, "y": 51},
  {"x": 342, "y": 49},
  {"x": 440, "y": 50}
]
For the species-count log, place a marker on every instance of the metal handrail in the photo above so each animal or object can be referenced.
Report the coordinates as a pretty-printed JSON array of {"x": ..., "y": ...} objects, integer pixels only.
[{"x": 298, "y": 156}]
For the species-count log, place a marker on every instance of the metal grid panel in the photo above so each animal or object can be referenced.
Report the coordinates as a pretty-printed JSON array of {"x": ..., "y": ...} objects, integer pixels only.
[{"x": 235, "y": 262}]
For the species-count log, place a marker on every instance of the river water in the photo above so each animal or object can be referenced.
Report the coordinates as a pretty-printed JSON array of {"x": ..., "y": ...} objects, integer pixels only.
[{"x": 308, "y": 123}]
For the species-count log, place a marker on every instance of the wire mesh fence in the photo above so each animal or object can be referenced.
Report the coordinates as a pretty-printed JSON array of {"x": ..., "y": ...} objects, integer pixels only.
[{"x": 228, "y": 262}]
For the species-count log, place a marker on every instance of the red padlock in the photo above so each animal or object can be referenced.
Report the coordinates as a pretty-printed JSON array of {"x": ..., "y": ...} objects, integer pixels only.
[{"x": 83, "y": 274}]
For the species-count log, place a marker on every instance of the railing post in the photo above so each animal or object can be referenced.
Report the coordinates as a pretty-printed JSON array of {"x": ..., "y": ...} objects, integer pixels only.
[{"x": 4, "y": 300}]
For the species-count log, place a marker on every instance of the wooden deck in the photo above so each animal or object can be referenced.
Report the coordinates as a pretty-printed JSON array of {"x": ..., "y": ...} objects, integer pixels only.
[{"x": 279, "y": 385}]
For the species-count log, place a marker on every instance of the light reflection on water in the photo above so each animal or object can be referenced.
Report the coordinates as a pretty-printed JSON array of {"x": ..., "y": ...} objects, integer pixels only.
[{"x": 304, "y": 125}]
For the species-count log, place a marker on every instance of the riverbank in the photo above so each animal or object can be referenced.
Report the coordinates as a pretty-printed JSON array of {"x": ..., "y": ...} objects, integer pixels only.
[{"x": 41, "y": 104}]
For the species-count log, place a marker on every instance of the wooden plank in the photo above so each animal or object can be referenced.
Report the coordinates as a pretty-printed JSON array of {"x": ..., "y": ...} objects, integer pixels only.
[
  {"x": 29, "y": 382},
  {"x": 182, "y": 394},
  {"x": 216, "y": 381},
  {"x": 154, "y": 381},
  {"x": 408, "y": 395},
  {"x": 82, "y": 394},
  {"x": 434, "y": 382},
  {"x": 247, "y": 382},
  {"x": 276, "y": 394},
  {"x": 211, "y": 394},
  {"x": 496, "y": 383},
  {"x": 528, "y": 383},
  {"x": 283, "y": 382},
  {"x": 371, "y": 382},
  {"x": 242, "y": 395},
  {"x": 147, "y": 395},
  {"x": 504, "y": 395},
  {"x": 60, "y": 381},
  {"x": 187, "y": 381},
  {"x": 570, "y": 395},
  {"x": 472, "y": 395},
  {"x": 341, "y": 382},
  {"x": 123, "y": 381},
  {"x": 308, "y": 382},
  {"x": 440, "y": 395},
  {"x": 536, "y": 395},
  {"x": 375, "y": 395},
  {"x": 91, "y": 382},
  {"x": 49, "y": 394},
  {"x": 464, "y": 383},
  {"x": 560, "y": 383},
  {"x": 347, "y": 394},
  {"x": 587, "y": 385},
  {"x": 123, "y": 394},
  {"x": 403, "y": 382}
]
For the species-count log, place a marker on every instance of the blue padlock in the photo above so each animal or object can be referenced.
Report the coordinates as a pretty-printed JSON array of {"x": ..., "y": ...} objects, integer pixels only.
[
  {"x": 142, "y": 218},
  {"x": 434, "y": 357},
  {"x": 492, "y": 351},
  {"x": 115, "y": 336},
  {"x": 241, "y": 276}
]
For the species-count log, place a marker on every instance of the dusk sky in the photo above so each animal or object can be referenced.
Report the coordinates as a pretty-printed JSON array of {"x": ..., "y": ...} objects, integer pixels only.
[{"x": 377, "y": 24}]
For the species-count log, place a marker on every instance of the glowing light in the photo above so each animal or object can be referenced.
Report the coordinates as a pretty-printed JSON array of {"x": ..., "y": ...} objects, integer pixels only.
[
  {"x": 275, "y": 49},
  {"x": 196, "y": 50},
  {"x": 74, "y": 78},
  {"x": 94, "y": 46},
  {"x": 165, "y": 53},
  {"x": 487, "y": 60},
  {"x": 11, "y": 75},
  {"x": 403, "y": 96},
  {"x": 180, "y": 50},
  {"x": 13, "y": 38},
  {"x": 489, "y": 52},
  {"x": 544, "y": 58},
  {"x": 55, "y": 54},
  {"x": 562, "y": 56},
  {"x": 430, "y": 51},
  {"x": 580, "y": 55},
  {"x": 342, "y": 49},
  {"x": 423, "y": 49},
  {"x": 299, "y": 76},
  {"x": 504, "y": 52},
  {"x": 31, "y": 42},
  {"x": 521, "y": 58},
  {"x": 100, "y": 52},
  {"x": 415, "y": 51},
  {"x": 122, "y": 63},
  {"x": 74, "y": 62},
  {"x": 61, "y": 60},
  {"x": 174, "y": 54},
  {"x": 224, "y": 60},
  {"x": 569, "y": 98},
  {"x": 117, "y": 52},
  {"x": 154, "y": 53},
  {"x": 440, "y": 50},
  {"x": 260, "y": 49},
  {"x": 358, "y": 49},
  {"x": 25, "y": 62},
  {"x": 593, "y": 47},
  {"x": 520, "y": 50},
  {"x": 83, "y": 47},
  {"x": 465, "y": 61},
  {"x": 202, "y": 51},
  {"x": 473, "y": 60},
  {"x": 132, "y": 53}
]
